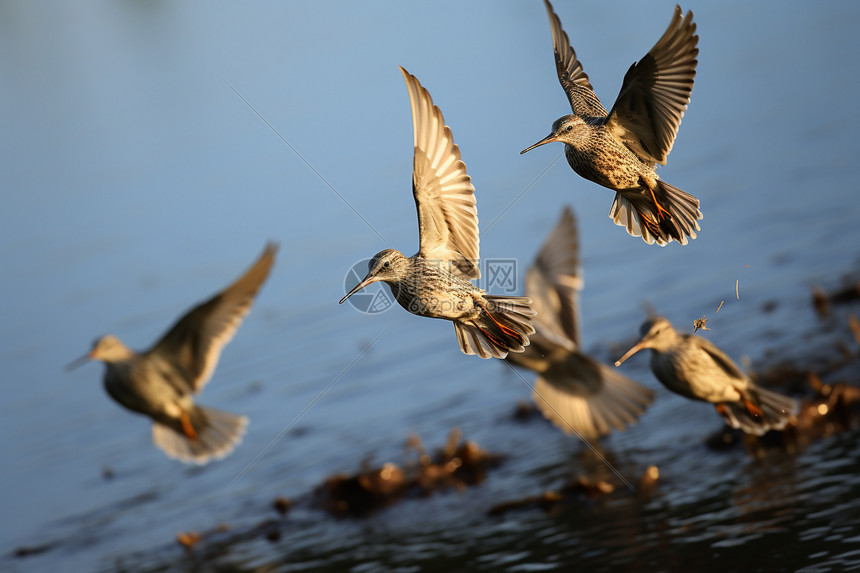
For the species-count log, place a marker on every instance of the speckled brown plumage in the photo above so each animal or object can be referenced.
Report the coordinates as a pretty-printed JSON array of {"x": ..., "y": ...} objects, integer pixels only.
[
  {"x": 575, "y": 392},
  {"x": 695, "y": 368},
  {"x": 160, "y": 383},
  {"x": 619, "y": 149},
  {"x": 435, "y": 281}
]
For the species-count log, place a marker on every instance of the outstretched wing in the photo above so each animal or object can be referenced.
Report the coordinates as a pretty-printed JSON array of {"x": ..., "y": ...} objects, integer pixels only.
[
  {"x": 554, "y": 281},
  {"x": 720, "y": 359},
  {"x": 655, "y": 93},
  {"x": 444, "y": 194},
  {"x": 195, "y": 342},
  {"x": 572, "y": 77}
]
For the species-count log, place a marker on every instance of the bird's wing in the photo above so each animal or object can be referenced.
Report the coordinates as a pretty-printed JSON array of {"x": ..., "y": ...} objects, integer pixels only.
[
  {"x": 573, "y": 79},
  {"x": 720, "y": 358},
  {"x": 444, "y": 194},
  {"x": 194, "y": 343},
  {"x": 656, "y": 91},
  {"x": 554, "y": 281}
]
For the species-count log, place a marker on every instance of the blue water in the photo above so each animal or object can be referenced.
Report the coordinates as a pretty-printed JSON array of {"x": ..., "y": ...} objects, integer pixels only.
[{"x": 136, "y": 182}]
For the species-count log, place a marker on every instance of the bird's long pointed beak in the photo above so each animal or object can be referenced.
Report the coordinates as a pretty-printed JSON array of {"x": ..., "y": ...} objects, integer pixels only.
[
  {"x": 364, "y": 282},
  {"x": 78, "y": 362},
  {"x": 636, "y": 348},
  {"x": 548, "y": 139}
]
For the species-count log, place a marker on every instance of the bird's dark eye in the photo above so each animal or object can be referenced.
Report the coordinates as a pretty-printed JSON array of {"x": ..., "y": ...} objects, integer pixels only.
[
  {"x": 569, "y": 127},
  {"x": 386, "y": 264}
]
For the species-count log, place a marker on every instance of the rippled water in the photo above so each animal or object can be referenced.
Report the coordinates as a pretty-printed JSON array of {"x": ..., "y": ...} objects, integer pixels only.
[{"x": 137, "y": 182}]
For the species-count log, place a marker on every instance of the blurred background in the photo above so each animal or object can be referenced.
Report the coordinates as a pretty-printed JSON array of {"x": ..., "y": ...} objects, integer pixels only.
[{"x": 136, "y": 182}]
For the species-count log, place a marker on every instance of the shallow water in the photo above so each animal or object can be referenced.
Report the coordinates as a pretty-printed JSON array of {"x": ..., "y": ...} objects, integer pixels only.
[{"x": 137, "y": 183}]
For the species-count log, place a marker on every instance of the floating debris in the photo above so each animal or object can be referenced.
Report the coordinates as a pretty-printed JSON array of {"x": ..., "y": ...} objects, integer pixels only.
[
  {"x": 849, "y": 293},
  {"x": 546, "y": 501},
  {"x": 721, "y": 306},
  {"x": 591, "y": 489},
  {"x": 648, "y": 482},
  {"x": 524, "y": 411},
  {"x": 282, "y": 505},
  {"x": 854, "y": 325},
  {"x": 459, "y": 464},
  {"x": 27, "y": 551},
  {"x": 700, "y": 324},
  {"x": 363, "y": 493},
  {"x": 188, "y": 540},
  {"x": 821, "y": 302},
  {"x": 552, "y": 500}
]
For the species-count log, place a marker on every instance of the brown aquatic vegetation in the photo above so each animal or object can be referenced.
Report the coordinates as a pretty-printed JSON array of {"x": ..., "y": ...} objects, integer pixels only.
[
  {"x": 458, "y": 464},
  {"x": 551, "y": 501},
  {"x": 282, "y": 505},
  {"x": 188, "y": 539},
  {"x": 822, "y": 301}
]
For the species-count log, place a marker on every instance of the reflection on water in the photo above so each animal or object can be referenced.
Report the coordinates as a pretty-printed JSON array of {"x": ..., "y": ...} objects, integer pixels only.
[{"x": 135, "y": 180}]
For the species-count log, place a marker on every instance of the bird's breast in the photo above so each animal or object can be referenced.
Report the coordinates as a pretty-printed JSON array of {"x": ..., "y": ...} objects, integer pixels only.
[
  {"x": 140, "y": 386},
  {"x": 436, "y": 296},
  {"x": 602, "y": 159}
]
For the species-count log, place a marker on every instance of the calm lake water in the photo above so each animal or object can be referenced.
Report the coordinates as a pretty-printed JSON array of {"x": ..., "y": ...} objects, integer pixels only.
[{"x": 137, "y": 183}]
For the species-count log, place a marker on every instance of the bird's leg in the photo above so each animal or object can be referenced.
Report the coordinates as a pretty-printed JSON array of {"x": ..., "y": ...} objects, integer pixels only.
[
  {"x": 510, "y": 332},
  {"x": 754, "y": 410},
  {"x": 189, "y": 430},
  {"x": 721, "y": 409},
  {"x": 661, "y": 212},
  {"x": 649, "y": 222}
]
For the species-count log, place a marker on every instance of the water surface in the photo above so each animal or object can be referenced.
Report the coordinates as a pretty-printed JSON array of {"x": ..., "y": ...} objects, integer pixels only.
[{"x": 137, "y": 182}]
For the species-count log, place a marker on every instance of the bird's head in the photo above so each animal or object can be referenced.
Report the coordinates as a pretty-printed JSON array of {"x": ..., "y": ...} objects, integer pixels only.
[
  {"x": 657, "y": 334},
  {"x": 389, "y": 265},
  {"x": 106, "y": 349},
  {"x": 565, "y": 129}
]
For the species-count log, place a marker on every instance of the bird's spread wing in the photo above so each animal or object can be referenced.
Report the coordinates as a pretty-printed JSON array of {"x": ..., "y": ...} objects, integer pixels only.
[
  {"x": 444, "y": 194},
  {"x": 656, "y": 91},
  {"x": 554, "y": 281},
  {"x": 572, "y": 77},
  {"x": 194, "y": 343},
  {"x": 720, "y": 358}
]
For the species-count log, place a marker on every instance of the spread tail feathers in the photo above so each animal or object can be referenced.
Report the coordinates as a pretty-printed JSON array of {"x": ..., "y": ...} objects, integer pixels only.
[
  {"x": 218, "y": 432},
  {"x": 775, "y": 410},
  {"x": 503, "y": 326},
  {"x": 568, "y": 397},
  {"x": 638, "y": 213}
]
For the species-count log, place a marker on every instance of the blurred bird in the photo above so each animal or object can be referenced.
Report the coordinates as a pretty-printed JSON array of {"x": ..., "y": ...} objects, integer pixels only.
[
  {"x": 434, "y": 282},
  {"x": 160, "y": 382},
  {"x": 619, "y": 149},
  {"x": 694, "y": 367},
  {"x": 577, "y": 393}
]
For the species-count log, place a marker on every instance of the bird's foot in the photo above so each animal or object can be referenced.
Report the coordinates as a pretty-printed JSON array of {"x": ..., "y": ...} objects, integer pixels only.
[
  {"x": 509, "y": 331},
  {"x": 661, "y": 212},
  {"x": 189, "y": 430},
  {"x": 754, "y": 410},
  {"x": 650, "y": 223}
]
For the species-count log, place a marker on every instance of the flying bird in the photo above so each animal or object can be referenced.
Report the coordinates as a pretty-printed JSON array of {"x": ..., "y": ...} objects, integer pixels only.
[
  {"x": 619, "y": 149},
  {"x": 695, "y": 368},
  {"x": 161, "y": 382},
  {"x": 435, "y": 281},
  {"x": 575, "y": 392}
]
